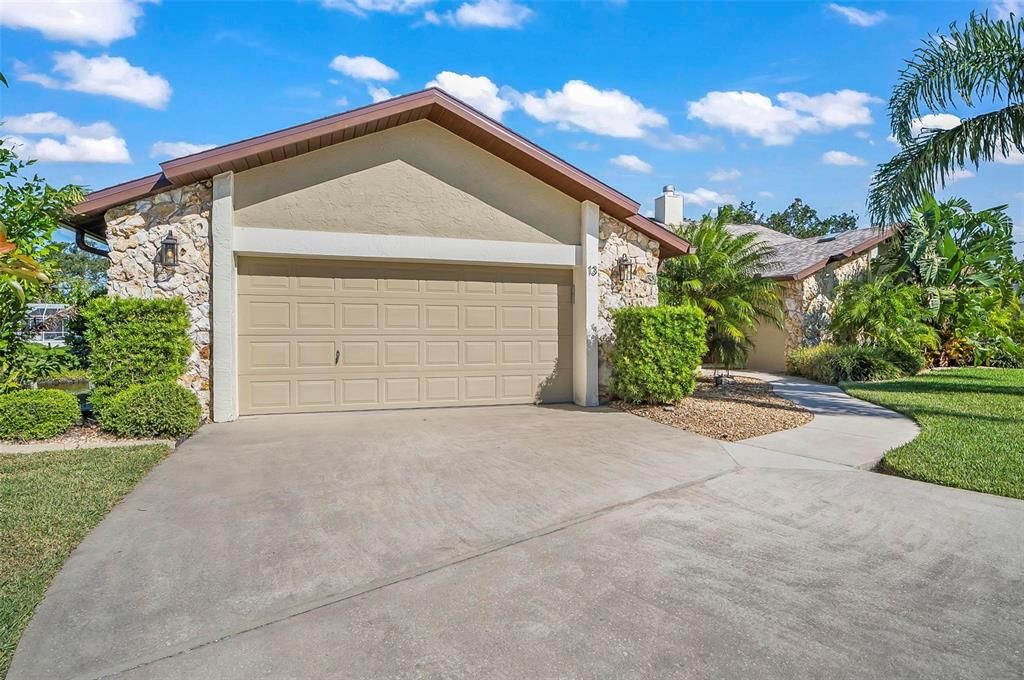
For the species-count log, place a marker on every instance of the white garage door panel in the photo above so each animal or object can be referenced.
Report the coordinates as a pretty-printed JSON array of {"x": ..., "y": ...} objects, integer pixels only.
[{"x": 328, "y": 336}]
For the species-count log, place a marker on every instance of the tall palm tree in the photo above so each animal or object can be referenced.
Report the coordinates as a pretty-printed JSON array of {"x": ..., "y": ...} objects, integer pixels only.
[
  {"x": 981, "y": 63},
  {"x": 723, "y": 278}
]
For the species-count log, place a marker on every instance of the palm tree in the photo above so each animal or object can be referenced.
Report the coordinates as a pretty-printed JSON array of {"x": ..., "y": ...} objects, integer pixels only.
[
  {"x": 983, "y": 62},
  {"x": 722, "y": 277}
]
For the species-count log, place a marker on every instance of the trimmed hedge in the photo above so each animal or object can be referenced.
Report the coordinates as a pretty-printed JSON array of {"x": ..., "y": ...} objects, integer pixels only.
[
  {"x": 159, "y": 409},
  {"x": 657, "y": 352},
  {"x": 135, "y": 341},
  {"x": 37, "y": 414},
  {"x": 832, "y": 364}
]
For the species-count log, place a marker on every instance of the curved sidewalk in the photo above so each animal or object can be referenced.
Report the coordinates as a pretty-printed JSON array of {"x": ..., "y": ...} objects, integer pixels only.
[{"x": 845, "y": 433}]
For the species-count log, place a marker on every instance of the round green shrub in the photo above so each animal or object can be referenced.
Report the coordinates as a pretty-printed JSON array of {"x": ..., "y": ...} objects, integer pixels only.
[
  {"x": 159, "y": 409},
  {"x": 37, "y": 414},
  {"x": 657, "y": 352},
  {"x": 908, "y": 360}
]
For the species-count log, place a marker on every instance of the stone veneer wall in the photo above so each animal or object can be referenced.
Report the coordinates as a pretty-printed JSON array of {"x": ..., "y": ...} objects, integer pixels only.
[
  {"x": 134, "y": 232},
  {"x": 808, "y": 302},
  {"x": 615, "y": 239}
]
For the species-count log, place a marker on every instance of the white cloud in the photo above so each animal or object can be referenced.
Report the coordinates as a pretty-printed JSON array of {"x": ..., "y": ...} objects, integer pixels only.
[
  {"x": 74, "y": 149},
  {"x": 938, "y": 121},
  {"x": 1014, "y": 157},
  {"x": 50, "y": 123},
  {"x": 674, "y": 142},
  {"x": 363, "y": 8},
  {"x": 94, "y": 143},
  {"x": 586, "y": 146},
  {"x": 176, "y": 149},
  {"x": 77, "y": 21},
  {"x": 765, "y": 194},
  {"x": 705, "y": 197},
  {"x": 579, "y": 105},
  {"x": 341, "y": 101},
  {"x": 105, "y": 75},
  {"x": 862, "y": 134},
  {"x": 630, "y": 162},
  {"x": 858, "y": 17},
  {"x": 958, "y": 175},
  {"x": 722, "y": 175},
  {"x": 378, "y": 94},
  {"x": 363, "y": 68},
  {"x": 841, "y": 158},
  {"x": 488, "y": 14},
  {"x": 756, "y": 115},
  {"x": 1004, "y": 8},
  {"x": 477, "y": 91}
]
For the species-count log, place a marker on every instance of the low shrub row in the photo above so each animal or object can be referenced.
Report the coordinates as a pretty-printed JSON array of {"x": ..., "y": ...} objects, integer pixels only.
[{"x": 833, "y": 364}]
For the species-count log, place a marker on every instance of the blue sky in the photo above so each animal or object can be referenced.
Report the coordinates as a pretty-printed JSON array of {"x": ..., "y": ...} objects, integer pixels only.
[{"x": 759, "y": 101}]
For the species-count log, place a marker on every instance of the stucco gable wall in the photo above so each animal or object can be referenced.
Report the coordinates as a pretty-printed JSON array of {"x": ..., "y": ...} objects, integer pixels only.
[{"x": 414, "y": 180}]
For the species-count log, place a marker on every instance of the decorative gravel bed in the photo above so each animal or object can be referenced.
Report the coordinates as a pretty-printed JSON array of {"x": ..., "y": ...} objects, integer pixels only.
[{"x": 740, "y": 409}]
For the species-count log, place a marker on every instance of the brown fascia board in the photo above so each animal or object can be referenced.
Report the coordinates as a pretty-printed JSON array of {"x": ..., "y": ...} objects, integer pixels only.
[{"x": 433, "y": 104}]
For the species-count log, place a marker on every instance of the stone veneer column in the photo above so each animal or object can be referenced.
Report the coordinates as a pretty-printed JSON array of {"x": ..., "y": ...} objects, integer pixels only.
[
  {"x": 615, "y": 239},
  {"x": 134, "y": 232}
]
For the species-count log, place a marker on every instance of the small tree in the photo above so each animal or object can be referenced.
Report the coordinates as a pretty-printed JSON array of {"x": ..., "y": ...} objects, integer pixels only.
[
  {"x": 802, "y": 221},
  {"x": 723, "y": 278}
]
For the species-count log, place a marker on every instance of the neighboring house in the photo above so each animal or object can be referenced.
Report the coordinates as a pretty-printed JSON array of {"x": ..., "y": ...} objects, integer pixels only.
[
  {"x": 410, "y": 253},
  {"x": 46, "y": 323},
  {"x": 809, "y": 270}
]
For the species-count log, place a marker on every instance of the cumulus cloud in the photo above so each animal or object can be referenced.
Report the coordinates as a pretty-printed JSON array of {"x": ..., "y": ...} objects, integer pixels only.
[
  {"x": 378, "y": 94},
  {"x": 364, "y": 8},
  {"x": 765, "y": 194},
  {"x": 581, "y": 106},
  {"x": 1004, "y": 8},
  {"x": 488, "y": 14},
  {"x": 50, "y": 123},
  {"x": 841, "y": 158},
  {"x": 586, "y": 146},
  {"x": 723, "y": 175},
  {"x": 947, "y": 121},
  {"x": 858, "y": 17},
  {"x": 77, "y": 21},
  {"x": 668, "y": 141},
  {"x": 632, "y": 163},
  {"x": 176, "y": 149},
  {"x": 363, "y": 68},
  {"x": 756, "y": 115},
  {"x": 477, "y": 91},
  {"x": 705, "y": 197},
  {"x": 93, "y": 143},
  {"x": 103, "y": 75},
  {"x": 958, "y": 175}
]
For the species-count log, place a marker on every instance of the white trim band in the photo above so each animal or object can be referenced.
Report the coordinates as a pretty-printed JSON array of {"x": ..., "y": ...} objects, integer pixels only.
[{"x": 299, "y": 243}]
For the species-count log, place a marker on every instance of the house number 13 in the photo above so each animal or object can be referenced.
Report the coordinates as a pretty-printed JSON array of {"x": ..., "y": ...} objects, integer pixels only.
[{"x": 592, "y": 270}]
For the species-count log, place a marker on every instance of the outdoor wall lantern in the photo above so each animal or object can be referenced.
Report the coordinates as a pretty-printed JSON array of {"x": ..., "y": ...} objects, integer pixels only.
[
  {"x": 169, "y": 250},
  {"x": 626, "y": 267}
]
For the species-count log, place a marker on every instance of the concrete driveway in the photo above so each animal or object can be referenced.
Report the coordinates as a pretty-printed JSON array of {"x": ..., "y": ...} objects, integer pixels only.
[{"x": 521, "y": 542}]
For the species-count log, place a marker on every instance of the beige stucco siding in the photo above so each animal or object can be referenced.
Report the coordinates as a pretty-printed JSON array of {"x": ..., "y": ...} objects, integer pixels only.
[{"x": 415, "y": 180}]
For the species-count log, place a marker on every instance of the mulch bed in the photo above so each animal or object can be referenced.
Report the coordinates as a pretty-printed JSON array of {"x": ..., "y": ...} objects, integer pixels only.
[
  {"x": 740, "y": 409},
  {"x": 77, "y": 436}
]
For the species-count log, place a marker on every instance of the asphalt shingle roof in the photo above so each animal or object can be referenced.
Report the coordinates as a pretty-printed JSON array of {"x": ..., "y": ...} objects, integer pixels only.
[{"x": 798, "y": 258}]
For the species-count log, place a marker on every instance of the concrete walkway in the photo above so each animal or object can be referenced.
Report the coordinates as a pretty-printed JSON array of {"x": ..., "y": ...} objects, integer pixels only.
[{"x": 845, "y": 433}]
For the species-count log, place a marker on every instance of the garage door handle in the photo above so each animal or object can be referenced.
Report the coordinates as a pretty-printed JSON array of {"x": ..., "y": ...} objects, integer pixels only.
[{"x": 337, "y": 356}]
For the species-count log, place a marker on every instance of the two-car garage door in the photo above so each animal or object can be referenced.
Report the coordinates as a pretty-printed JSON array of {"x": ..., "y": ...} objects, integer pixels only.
[{"x": 333, "y": 335}]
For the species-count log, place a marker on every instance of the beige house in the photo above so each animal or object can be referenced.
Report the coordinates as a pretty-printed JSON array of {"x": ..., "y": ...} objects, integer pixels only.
[
  {"x": 412, "y": 253},
  {"x": 809, "y": 270}
]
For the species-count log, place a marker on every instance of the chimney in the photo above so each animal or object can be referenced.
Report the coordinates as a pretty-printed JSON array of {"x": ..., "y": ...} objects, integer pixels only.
[{"x": 668, "y": 208}]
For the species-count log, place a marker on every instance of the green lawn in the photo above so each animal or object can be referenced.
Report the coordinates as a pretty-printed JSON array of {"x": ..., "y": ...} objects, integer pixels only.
[
  {"x": 48, "y": 503},
  {"x": 972, "y": 427}
]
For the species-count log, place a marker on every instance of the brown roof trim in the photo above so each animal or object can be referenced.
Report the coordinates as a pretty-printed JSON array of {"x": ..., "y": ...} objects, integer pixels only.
[
  {"x": 856, "y": 249},
  {"x": 431, "y": 104}
]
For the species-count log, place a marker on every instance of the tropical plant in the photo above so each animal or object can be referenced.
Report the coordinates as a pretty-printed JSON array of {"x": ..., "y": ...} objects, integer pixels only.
[
  {"x": 981, "y": 63},
  {"x": 875, "y": 309},
  {"x": 831, "y": 364},
  {"x": 723, "y": 278}
]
